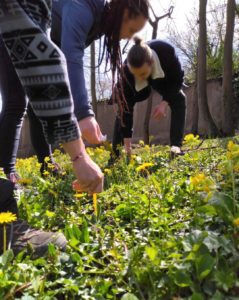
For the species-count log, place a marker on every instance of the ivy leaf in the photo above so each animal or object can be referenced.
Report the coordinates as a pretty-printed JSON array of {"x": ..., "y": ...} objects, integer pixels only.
[
  {"x": 197, "y": 296},
  {"x": 182, "y": 279},
  {"x": 129, "y": 296},
  {"x": 204, "y": 265}
]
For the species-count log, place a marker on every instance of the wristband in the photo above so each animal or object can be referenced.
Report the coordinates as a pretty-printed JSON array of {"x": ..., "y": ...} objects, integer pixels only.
[{"x": 77, "y": 157}]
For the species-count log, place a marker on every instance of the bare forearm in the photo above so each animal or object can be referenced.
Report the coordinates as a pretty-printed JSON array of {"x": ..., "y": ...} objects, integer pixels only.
[{"x": 74, "y": 148}]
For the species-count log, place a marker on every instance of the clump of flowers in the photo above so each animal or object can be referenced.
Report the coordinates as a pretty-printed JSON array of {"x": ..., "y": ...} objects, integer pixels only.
[
  {"x": 232, "y": 163},
  {"x": 202, "y": 183},
  {"x": 191, "y": 139},
  {"x": 232, "y": 150}
]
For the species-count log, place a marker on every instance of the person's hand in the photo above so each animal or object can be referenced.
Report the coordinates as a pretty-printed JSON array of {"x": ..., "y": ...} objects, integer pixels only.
[
  {"x": 90, "y": 130},
  {"x": 90, "y": 178},
  {"x": 128, "y": 147},
  {"x": 160, "y": 110}
]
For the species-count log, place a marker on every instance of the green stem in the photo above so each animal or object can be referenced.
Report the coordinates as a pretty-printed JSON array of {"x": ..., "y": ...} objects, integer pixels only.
[
  {"x": 233, "y": 189},
  {"x": 4, "y": 239}
]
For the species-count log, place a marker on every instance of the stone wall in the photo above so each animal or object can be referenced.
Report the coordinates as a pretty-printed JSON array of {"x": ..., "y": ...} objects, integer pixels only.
[{"x": 159, "y": 130}]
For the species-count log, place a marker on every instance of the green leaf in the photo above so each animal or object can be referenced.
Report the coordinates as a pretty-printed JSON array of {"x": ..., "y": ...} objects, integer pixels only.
[
  {"x": 151, "y": 252},
  {"x": 204, "y": 265},
  {"x": 129, "y": 296},
  {"x": 7, "y": 257},
  {"x": 197, "y": 296},
  {"x": 224, "y": 206},
  {"x": 225, "y": 278},
  {"x": 182, "y": 279},
  {"x": 51, "y": 250},
  {"x": 85, "y": 237},
  {"x": 27, "y": 297},
  {"x": 218, "y": 296}
]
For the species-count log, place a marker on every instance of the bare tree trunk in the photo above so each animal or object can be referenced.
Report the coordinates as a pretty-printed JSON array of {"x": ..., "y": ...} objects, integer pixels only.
[
  {"x": 206, "y": 124},
  {"x": 195, "y": 114},
  {"x": 227, "y": 85},
  {"x": 93, "y": 78}
]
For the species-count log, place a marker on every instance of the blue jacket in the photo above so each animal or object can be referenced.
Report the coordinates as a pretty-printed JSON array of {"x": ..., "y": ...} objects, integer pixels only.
[{"x": 75, "y": 24}]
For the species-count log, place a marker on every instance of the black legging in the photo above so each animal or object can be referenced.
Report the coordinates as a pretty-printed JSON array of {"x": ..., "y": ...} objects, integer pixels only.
[
  {"x": 7, "y": 200},
  {"x": 14, "y": 105}
]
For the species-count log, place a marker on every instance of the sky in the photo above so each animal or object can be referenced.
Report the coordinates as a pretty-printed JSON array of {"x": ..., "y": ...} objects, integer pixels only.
[{"x": 182, "y": 9}]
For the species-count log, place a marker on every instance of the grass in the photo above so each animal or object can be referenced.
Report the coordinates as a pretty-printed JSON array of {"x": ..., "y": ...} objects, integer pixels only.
[{"x": 163, "y": 230}]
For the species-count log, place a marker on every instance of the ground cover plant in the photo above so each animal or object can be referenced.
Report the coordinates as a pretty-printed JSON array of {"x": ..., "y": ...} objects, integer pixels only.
[{"x": 164, "y": 229}]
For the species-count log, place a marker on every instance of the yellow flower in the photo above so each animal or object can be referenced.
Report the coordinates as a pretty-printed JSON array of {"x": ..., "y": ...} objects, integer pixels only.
[
  {"x": 144, "y": 166},
  {"x": 46, "y": 173},
  {"x": 50, "y": 214},
  {"x": 107, "y": 171},
  {"x": 25, "y": 181},
  {"x": 51, "y": 166},
  {"x": 233, "y": 150},
  {"x": 230, "y": 145},
  {"x": 47, "y": 159},
  {"x": 79, "y": 195},
  {"x": 197, "y": 179},
  {"x": 190, "y": 138},
  {"x": 141, "y": 143},
  {"x": 98, "y": 151},
  {"x": 236, "y": 222},
  {"x": 7, "y": 217}
]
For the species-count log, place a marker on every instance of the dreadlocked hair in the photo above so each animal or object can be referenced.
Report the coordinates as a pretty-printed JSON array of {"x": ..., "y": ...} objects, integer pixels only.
[{"x": 112, "y": 21}]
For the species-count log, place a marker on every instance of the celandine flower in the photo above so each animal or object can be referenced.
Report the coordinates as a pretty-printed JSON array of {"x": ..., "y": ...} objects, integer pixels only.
[
  {"x": 236, "y": 222},
  {"x": 144, "y": 166},
  {"x": 7, "y": 217}
]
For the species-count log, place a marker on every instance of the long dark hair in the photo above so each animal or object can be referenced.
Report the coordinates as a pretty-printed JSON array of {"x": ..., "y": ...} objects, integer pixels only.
[{"x": 112, "y": 21}]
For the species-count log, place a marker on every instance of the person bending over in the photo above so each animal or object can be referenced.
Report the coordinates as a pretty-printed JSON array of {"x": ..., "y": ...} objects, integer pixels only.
[
  {"x": 151, "y": 66},
  {"x": 75, "y": 25}
]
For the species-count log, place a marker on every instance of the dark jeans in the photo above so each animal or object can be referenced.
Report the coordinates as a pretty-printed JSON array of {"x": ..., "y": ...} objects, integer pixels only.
[
  {"x": 7, "y": 199},
  {"x": 178, "y": 111},
  {"x": 11, "y": 118}
]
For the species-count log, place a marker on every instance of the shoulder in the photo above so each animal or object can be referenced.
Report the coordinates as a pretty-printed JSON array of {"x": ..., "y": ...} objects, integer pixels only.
[{"x": 160, "y": 45}]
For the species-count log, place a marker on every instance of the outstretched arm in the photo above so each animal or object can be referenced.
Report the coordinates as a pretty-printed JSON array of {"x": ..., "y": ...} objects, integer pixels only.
[{"x": 77, "y": 21}]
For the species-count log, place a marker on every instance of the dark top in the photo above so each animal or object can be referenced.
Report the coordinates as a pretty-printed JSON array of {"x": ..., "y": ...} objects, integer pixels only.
[{"x": 167, "y": 87}]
